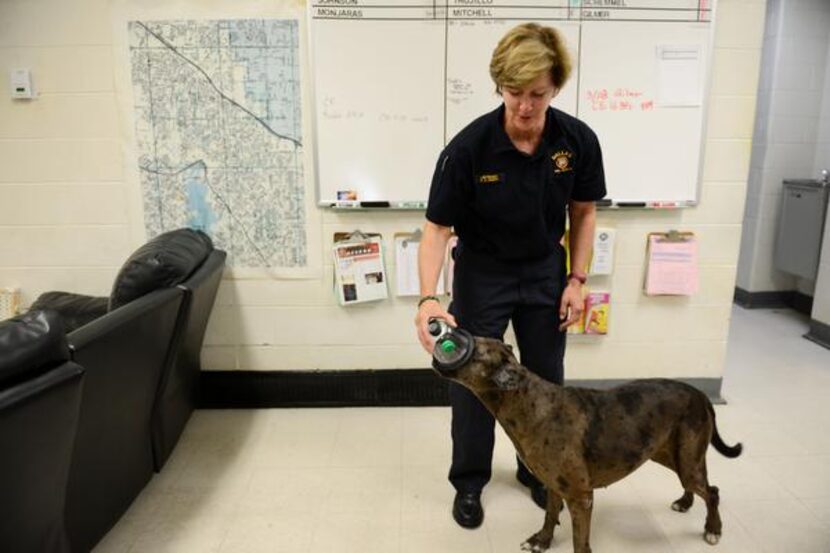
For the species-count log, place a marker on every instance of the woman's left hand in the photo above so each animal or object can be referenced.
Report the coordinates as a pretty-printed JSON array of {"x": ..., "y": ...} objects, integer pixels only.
[{"x": 572, "y": 305}]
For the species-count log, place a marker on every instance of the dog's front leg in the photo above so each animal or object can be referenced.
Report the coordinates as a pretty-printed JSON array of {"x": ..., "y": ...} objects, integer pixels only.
[
  {"x": 580, "y": 508},
  {"x": 541, "y": 540}
]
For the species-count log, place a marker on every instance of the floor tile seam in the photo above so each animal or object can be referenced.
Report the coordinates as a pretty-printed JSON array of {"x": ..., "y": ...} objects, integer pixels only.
[
  {"x": 642, "y": 495},
  {"x": 490, "y": 545},
  {"x": 318, "y": 515},
  {"x": 332, "y": 444},
  {"x": 388, "y": 466},
  {"x": 751, "y": 536},
  {"x": 243, "y": 490},
  {"x": 664, "y": 530},
  {"x": 224, "y": 538},
  {"x": 131, "y": 544},
  {"x": 401, "y": 489},
  {"x": 819, "y": 521},
  {"x": 763, "y": 547},
  {"x": 779, "y": 481}
]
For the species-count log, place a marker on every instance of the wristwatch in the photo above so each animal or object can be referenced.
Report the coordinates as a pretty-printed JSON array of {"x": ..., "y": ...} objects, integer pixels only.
[{"x": 575, "y": 275}]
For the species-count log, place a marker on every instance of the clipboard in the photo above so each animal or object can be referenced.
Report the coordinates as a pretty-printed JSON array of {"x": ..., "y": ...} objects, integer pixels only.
[
  {"x": 359, "y": 274},
  {"x": 407, "y": 279},
  {"x": 672, "y": 264}
]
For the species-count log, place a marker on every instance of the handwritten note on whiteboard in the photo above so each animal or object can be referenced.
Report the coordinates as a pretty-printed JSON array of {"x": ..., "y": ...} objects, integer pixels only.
[{"x": 672, "y": 266}]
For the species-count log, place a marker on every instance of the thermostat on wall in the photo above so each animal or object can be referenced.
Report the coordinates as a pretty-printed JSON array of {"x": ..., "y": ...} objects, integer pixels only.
[{"x": 21, "y": 81}]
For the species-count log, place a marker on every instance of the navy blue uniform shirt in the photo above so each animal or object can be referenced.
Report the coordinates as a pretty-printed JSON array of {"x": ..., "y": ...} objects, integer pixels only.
[{"x": 508, "y": 204}]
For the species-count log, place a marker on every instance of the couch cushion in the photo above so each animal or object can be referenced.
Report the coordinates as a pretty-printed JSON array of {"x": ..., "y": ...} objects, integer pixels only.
[
  {"x": 164, "y": 261},
  {"x": 76, "y": 310},
  {"x": 30, "y": 343}
]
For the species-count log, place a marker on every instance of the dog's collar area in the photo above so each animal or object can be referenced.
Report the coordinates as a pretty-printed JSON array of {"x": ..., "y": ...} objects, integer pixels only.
[{"x": 453, "y": 350}]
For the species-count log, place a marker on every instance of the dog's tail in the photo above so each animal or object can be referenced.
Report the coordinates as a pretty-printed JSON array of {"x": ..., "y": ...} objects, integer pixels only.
[{"x": 720, "y": 445}]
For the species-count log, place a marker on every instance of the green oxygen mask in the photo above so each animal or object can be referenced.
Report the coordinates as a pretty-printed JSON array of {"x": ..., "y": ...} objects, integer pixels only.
[{"x": 453, "y": 348}]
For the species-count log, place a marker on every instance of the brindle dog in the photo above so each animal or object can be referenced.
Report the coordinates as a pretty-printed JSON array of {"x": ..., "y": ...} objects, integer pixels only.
[{"x": 576, "y": 439}]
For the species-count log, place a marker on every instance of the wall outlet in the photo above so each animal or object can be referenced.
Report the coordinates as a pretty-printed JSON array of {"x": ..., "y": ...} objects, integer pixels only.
[{"x": 21, "y": 84}]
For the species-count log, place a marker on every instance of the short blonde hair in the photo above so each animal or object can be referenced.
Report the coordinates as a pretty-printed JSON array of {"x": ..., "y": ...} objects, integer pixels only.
[{"x": 526, "y": 52}]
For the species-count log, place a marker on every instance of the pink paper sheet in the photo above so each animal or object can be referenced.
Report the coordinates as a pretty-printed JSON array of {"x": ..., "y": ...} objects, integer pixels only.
[{"x": 672, "y": 267}]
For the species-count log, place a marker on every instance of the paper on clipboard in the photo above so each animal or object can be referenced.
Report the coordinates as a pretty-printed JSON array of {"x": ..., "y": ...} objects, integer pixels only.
[
  {"x": 358, "y": 270},
  {"x": 679, "y": 75},
  {"x": 672, "y": 265},
  {"x": 408, "y": 282},
  {"x": 450, "y": 263}
]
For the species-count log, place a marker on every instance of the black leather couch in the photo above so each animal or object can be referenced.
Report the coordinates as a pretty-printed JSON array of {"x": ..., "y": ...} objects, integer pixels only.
[
  {"x": 178, "y": 392},
  {"x": 140, "y": 349},
  {"x": 40, "y": 398}
]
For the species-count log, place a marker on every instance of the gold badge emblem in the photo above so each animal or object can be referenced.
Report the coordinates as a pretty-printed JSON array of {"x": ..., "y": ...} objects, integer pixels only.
[{"x": 562, "y": 161}]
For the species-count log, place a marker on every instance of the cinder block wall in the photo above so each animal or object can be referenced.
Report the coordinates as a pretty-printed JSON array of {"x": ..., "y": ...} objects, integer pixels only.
[
  {"x": 69, "y": 211},
  {"x": 792, "y": 133}
]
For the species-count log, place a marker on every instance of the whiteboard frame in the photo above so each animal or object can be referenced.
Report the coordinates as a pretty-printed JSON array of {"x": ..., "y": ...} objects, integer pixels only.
[{"x": 420, "y": 205}]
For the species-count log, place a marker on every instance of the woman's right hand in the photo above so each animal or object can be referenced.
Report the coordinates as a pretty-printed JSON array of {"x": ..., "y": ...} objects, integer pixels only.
[{"x": 428, "y": 310}]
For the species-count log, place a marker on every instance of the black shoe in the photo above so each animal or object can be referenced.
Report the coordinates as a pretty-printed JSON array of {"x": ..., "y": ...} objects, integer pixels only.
[
  {"x": 537, "y": 491},
  {"x": 466, "y": 509}
]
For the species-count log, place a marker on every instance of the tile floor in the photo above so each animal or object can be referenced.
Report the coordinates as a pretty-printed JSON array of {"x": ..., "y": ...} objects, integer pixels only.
[{"x": 374, "y": 480}]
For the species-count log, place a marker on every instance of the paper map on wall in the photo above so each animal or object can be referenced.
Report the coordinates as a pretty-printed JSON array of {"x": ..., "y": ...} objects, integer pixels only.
[{"x": 219, "y": 134}]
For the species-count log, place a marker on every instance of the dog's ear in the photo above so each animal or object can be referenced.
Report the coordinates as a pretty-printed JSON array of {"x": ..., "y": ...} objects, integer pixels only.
[{"x": 506, "y": 377}]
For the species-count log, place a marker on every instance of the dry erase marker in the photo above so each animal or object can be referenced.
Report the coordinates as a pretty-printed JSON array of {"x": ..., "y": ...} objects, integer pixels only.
[
  {"x": 374, "y": 204},
  {"x": 411, "y": 205}
]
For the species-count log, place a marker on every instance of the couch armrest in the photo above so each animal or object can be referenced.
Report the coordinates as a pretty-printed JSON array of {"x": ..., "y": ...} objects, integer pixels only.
[
  {"x": 75, "y": 310},
  {"x": 30, "y": 344}
]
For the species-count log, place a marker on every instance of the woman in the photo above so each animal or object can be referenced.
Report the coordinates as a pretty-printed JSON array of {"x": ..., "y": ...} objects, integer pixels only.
[{"x": 505, "y": 184}]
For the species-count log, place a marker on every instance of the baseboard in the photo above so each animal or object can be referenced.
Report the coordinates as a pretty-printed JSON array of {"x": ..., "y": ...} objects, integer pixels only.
[
  {"x": 802, "y": 303},
  {"x": 356, "y": 388},
  {"x": 774, "y": 299},
  {"x": 819, "y": 333}
]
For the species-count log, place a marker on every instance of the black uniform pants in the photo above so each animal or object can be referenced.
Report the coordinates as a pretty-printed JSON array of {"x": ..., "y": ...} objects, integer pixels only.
[{"x": 487, "y": 294}]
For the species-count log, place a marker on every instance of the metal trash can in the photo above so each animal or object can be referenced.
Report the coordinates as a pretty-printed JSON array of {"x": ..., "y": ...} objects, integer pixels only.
[{"x": 801, "y": 227}]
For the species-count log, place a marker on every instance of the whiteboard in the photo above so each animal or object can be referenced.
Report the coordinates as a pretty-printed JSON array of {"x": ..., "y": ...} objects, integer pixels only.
[
  {"x": 650, "y": 132},
  {"x": 394, "y": 80}
]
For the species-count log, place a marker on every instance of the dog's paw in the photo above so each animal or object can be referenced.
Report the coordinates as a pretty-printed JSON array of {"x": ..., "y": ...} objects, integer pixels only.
[
  {"x": 680, "y": 506},
  {"x": 535, "y": 545},
  {"x": 711, "y": 538}
]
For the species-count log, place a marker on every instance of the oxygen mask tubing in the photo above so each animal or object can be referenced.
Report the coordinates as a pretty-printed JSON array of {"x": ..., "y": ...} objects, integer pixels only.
[{"x": 453, "y": 346}]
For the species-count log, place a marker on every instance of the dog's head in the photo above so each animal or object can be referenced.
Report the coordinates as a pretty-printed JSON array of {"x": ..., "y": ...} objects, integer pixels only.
[{"x": 491, "y": 368}]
